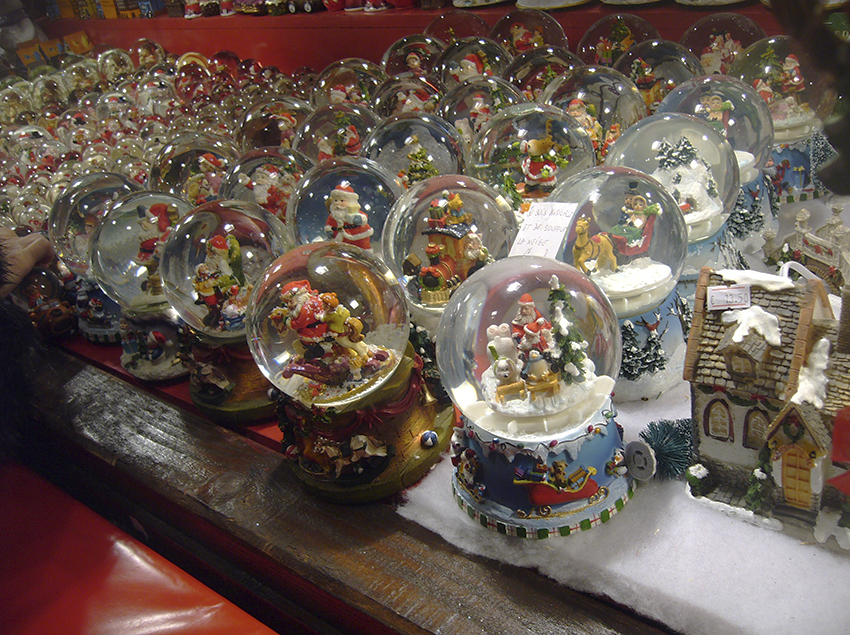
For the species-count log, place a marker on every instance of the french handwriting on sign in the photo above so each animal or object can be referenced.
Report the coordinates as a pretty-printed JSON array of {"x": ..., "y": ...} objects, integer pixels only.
[
  {"x": 736, "y": 296},
  {"x": 543, "y": 229}
]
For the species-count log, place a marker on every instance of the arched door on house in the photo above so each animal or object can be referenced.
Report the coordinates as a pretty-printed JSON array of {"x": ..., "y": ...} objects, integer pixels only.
[{"x": 796, "y": 478}]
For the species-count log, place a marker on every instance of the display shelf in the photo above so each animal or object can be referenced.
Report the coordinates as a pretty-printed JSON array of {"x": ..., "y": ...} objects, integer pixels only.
[{"x": 317, "y": 39}]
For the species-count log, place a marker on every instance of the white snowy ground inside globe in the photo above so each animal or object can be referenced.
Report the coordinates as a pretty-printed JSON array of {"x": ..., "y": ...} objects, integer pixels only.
[{"x": 635, "y": 287}]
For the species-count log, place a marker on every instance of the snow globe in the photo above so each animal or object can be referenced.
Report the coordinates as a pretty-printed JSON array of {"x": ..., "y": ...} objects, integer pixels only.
[
  {"x": 531, "y": 72},
  {"x": 70, "y": 227},
  {"x": 604, "y": 101},
  {"x": 334, "y": 131},
  {"x": 528, "y": 148},
  {"x": 456, "y": 24},
  {"x": 271, "y": 122},
  {"x": 192, "y": 165},
  {"x": 126, "y": 248},
  {"x": 798, "y": 98},
  {"x": 698, "y": 167},
  {"x": 413, "y": 54},
  {"x": 521, "y": 30},
  {"x": 266, "y": 176},
  {"x": 348, "y": 81},
  {"x": 210, "y": 262},
  {"x": 717, "y": 39},
  {"x": 441, "y": 231},
  {"x": 609, "y": 37},
  {"x": 657, "y": 67},
  {"x": 735, "y": 110},
  {"x": 416, "y": 146},
  {"x": 399, "y": 95},
  {"x": 628, "y": 234},
  {"x": 470, "y": 105},
  {"x": 470, "y": 57},
  {"x": 343, "y": 200},
  {"x": 528, "y": 349},
  {"x": 327, "y": 324}
]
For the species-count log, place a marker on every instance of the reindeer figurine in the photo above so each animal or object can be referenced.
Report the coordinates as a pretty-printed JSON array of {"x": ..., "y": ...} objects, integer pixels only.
[{"x": 599, "y": 248}]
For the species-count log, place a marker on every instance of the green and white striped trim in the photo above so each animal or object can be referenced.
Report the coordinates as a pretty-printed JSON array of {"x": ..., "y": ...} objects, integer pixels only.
[{"x": 524, "y": 532}]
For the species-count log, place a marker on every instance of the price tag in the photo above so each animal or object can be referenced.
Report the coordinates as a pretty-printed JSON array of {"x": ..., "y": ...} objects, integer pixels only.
[
  {"x": 543, "y": 229},
  {"x": 736, "y": 296}
]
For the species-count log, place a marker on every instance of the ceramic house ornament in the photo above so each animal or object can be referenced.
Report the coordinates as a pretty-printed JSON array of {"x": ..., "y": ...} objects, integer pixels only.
[
  {"x": 528, "y": 349},
  {"x": 328, "y": 326},
  {"x": 609, "y": 37}
]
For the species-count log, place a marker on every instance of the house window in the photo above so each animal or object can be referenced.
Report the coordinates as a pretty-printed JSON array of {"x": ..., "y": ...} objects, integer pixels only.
[
  {"x": 718, "y": 421},
  {"x": 755, "y": 429},
  {"x": 740, "y": 365}
]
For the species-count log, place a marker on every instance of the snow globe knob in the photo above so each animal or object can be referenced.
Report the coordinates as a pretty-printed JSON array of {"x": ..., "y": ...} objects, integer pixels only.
[
  {"x": 528, "y": 349},
  {"x": 210, "y": 262},
  {"x": 328, "y": 325}
]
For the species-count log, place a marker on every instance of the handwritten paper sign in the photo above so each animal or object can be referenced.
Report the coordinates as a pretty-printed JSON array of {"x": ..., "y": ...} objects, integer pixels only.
[
  {"x": 736, "y": 296},
  {"x": 543, "y": 229}
]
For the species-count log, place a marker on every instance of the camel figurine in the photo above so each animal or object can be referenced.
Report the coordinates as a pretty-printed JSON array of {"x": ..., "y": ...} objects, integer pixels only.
[{"x": 599, "y": 248}]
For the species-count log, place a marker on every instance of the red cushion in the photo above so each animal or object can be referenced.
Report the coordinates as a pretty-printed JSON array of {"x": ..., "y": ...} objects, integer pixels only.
[{"x": 65, "y": 570}]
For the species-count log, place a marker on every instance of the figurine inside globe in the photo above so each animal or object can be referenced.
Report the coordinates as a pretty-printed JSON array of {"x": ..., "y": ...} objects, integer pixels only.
[
  {"x": 440, "y": 232},
  {"x": 470, "y": 57},
  {"x": 328, "y": 325},
  {"x": 334, "y": 131},
  {"x": 691, "y": 159},
  {"x": 212, "y": 259},
  {"x": 528, "y": 347},
  {"x": 608, "y": 38},
  {"x": 719, "y": 38},
  {"x": 472, "y": 103},
  {"x": 627, "y": 234}
]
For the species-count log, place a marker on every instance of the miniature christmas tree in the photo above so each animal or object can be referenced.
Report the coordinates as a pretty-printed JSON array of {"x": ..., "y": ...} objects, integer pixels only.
[
  {"x": 761, "y": 484},
  {"x": 746, "y": 220},
  {"x": 672, "y": 442},
  {"x": 421, "y": 165},
  {"x": 821, "y": 153},
  {"x": 687, "y": 176},
  {"x": 569, "y": 357},
  {"x": 653, "y": 356},
  {"x": 632, "y": 364}
]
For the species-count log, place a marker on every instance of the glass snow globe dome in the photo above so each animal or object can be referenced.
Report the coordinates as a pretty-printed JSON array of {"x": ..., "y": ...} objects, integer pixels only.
[
  {"x": 334, "y": 131},
  {"x": 527, "y": 149},
  {"x": 266, "y": 176},
  {"x": 416, "y": 146},
  {"x": 440, "y": 232},
  {"x": 348, "y": 81},
  {"x": 719, "y": 38},
  {"x": 470, "y": 105},
  {"x": 521, "y": 30},
  {"x": 412, "y": 54},
  {"x": 604, "y": 101},
  {"x": 327, "y": 324},
  {"x": 457, "y": 24},
  {"x": 343, "y": 200},
  {"x": 77, "y": 211},
  {"x": 732, "y": 108},
  {"x": 568, "y": 333},
  {"x": 191, "y": 163},
  {"x": 797, "y": 94},
  {"x": 609, "y": 37},
  {"x": 403, "y": 94},
  {"x": 271, "y": 122},
  {"x": 212, "y": 259},
  {"x": 627, "y": 233},
  {"x": 470, "y": 57},
  {"x": 691, "y": 159},
  {"x": 532, "y": 71},
  {"x": 126, "y": 248}
]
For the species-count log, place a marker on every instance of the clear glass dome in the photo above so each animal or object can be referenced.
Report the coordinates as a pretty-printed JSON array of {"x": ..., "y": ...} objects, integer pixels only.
[
  {"x": 266, "y": 176},
  {"x": 115, "y": 66},
  {"x": 78, "y": 210},
  {"x": 604, "y": 101},
  {"x": 414, "y": 54},
  {"x": 457, "y": 24},
  {"x": 334, "y": 131},
  {"x": 126, "y": 248},
  {"x": 403, "y": 94},
  {"x": 327, "y": 324},
  {"x": 797, "y": 94},
  {"x": 440, "y": 232},
  {"x": 527, "y": 149},
  {"x": 609, "y": 37},
  {"x": 719, "y": 38},
  {"x": 532, "y": 71},
  {"x": 271, "y": 122},
  {"x": 416, "y": 146},
  {"x": 212, "y": 259},
  {"x": 627, "y": 233},
  {"x": 657, "y": 67},
  {"x": 343, "y": 200},
  {"x": 471, "y": 104},
  {"x": 147, "y": 53},
  {"x": 49, "y": 90},
  {"x": 528, "y": 345},
  {"x": 470, "y": 57},
  {"x": 192, "y": 165},
  {"x": 691, "y": 159},
  {"x": 732, "y": 108},
  {"x": 521, "y": 30},
  {"x": 347, "y": 81}
]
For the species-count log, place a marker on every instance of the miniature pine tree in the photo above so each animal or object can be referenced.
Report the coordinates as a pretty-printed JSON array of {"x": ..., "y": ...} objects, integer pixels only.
[
  {"x": 653, "y": 355},
  {"x": 821, "y": 153},
  {"x": 672, "y": 442},
  {"x": 760, "y": 487},
  {"x": 569, "y": 342},
  {"x": 745, "y": 220},
  {"x": 421, "y": 166},
  {"x": 509, "y": 188},
  {"x": 631, "y": 366}
]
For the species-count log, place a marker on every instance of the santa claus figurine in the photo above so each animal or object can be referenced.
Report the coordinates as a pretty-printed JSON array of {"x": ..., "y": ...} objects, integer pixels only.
[
  {"x": 528, "y": 320},
  {"x": 346, "y": 221}
]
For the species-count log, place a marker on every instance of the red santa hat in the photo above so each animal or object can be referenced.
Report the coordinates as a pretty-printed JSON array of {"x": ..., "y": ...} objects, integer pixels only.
[
  {"x": 344, "y": 192},
  {"x": 219, "y": 243},
  {"x": 526, "y": 300},
  {"x": 339, "y": 90},
  {"x": 211, "y": 158},
  {"x": 291, "y": 289},
  {"x": 476, "y": 61}
]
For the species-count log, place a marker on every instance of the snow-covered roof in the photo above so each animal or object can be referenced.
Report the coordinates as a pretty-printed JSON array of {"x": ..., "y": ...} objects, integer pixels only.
[
  {"x": 755, "y": 319},
  {"x": 766, "y": 281}
]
